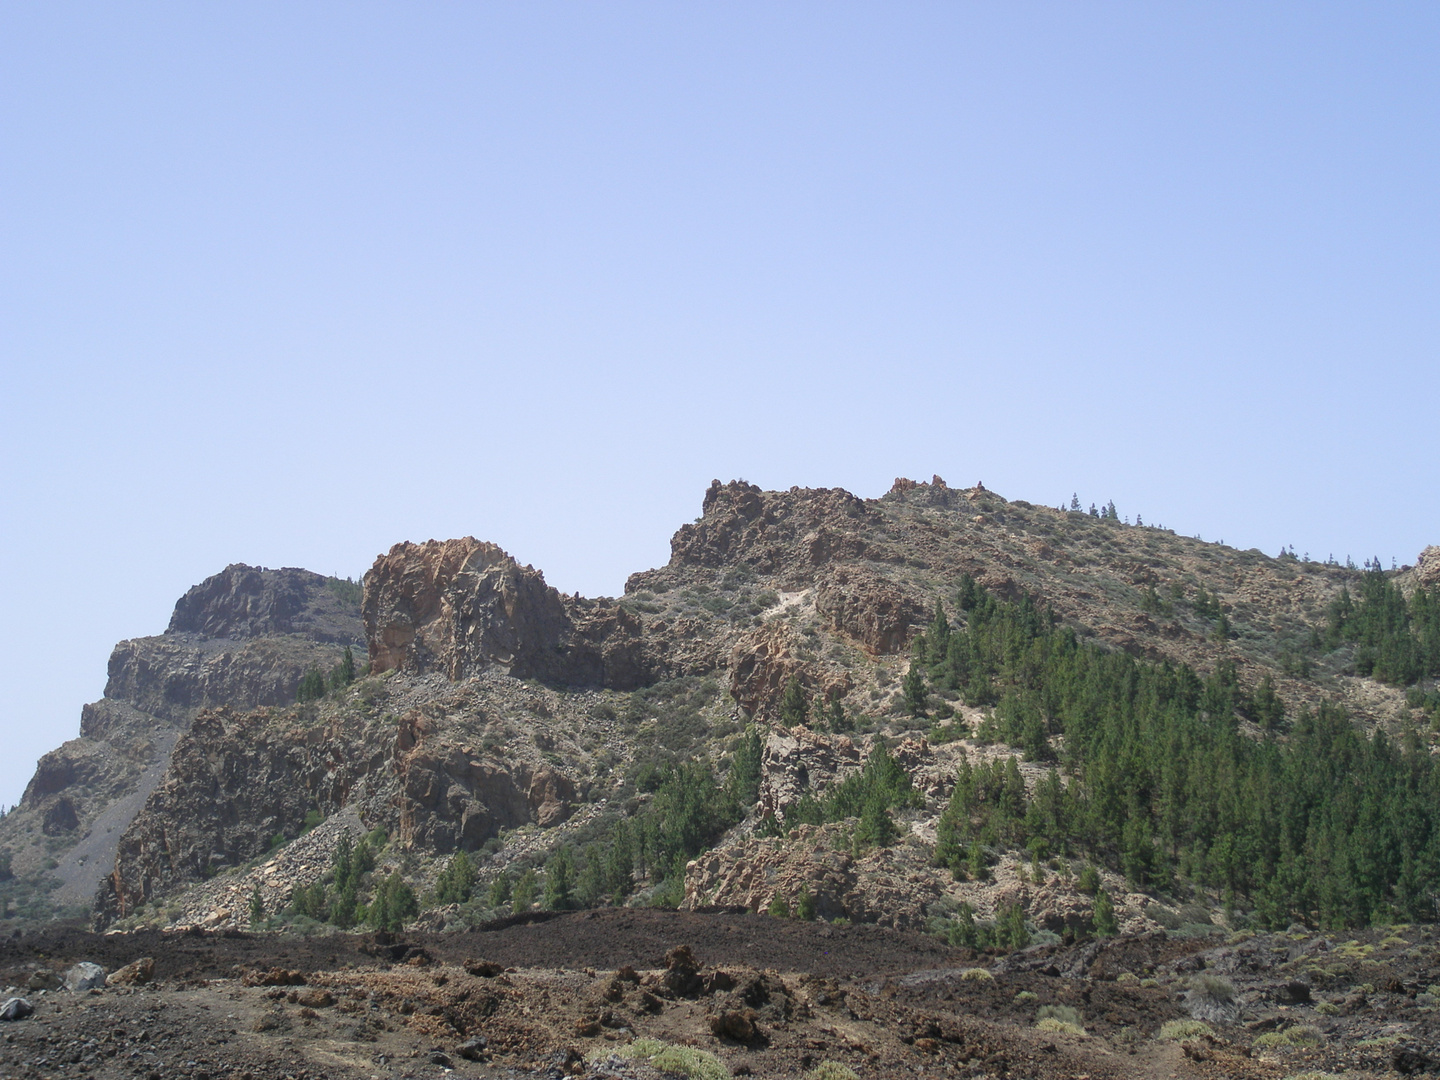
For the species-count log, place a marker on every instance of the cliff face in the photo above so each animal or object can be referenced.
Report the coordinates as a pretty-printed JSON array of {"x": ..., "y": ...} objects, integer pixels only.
[
  {"x": 243, "y": 602},
  {"x": 234, "y": 782},
  {"x": 244, "y": 637},
  {"x": 462, "y": 606}
]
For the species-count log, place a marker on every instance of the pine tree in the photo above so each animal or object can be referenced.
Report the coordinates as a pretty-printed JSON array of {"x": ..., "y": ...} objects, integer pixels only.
[
  {"x": 937, "y": 638},
  {"x": 456, "y": 881},
  {"x": 1105, "y": 922},
  {"x": 500, "y": 889},
  {"x": 914, "y": 690},
  {"x": 312, "y": 686},
  {"x": 523, "y": 896},
  {"x": 793, "y": 703},
  {"x": 559, "y": 878},
  {"x": 743, "y": 781},
  {"x": 257, "y": 906},
  {"x": 393, "y": 904}
]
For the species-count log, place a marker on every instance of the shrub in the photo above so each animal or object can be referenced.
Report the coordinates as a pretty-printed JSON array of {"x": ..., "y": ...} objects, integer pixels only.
[
  {"x": 1059, "y": 1027},
  {"x": 1299, "y": 1035},
  {"x": 683, "y": 1061},
  {"x": 1127, "y": 977},
  {"x": 1065, "y": 1014},
  {"x": 1326, "y": 1008},
  {"x": 1183, "y": 1029},
  {"x": 1212, "y": 988},
  {"x": 977, "y": 975},
  {"x": 779, "y": 907},
  {"x": 805, "y": 905},
  {"x": 1211, "y": 997},
  {"x": 1026, "y": 996}
]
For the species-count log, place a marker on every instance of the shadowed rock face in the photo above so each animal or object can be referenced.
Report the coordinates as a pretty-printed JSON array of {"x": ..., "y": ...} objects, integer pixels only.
[{"x": 244, "y": 602}]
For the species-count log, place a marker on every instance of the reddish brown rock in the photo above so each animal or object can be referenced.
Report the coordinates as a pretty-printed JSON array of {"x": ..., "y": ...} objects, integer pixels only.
[{"x": 463, "y": 606}]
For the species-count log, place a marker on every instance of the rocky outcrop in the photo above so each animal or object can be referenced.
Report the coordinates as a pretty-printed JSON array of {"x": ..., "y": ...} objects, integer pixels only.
[
  {"x": 1427, "y": 568},
  {"x": 244, "y": 602},
  {"x": 890, "y": 886},
  {"x": 786, "y": 534},
  {"x": 235, "y": 781},
  {"x": 172, "y": 676},
  {"x": 874, "y": 613},
  {"x": 799, "y": 762},
  {"x": 462, "y": 606},
  {"x": 452, "y": 798}
]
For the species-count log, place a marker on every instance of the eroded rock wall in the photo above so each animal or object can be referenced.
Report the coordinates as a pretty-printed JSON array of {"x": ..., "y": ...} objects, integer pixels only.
[{"x": 460, "y": 607}]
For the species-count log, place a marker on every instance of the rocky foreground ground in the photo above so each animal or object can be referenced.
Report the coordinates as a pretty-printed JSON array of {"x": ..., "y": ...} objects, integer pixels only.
[{"x": 596, "y": 994}]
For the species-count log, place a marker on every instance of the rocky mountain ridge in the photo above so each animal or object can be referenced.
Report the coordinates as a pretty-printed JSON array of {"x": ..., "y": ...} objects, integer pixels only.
[{"x": 504, "y": 719}]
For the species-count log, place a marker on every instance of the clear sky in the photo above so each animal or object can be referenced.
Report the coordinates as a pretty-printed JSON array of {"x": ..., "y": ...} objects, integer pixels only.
[{"x": 287, "y": 283}]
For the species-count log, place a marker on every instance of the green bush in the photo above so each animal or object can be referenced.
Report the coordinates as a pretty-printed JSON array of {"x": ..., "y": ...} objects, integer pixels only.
[
  {"x": 1180, "y": 1030},
  {"x": 684, "y": 1061},
  {"x": 1066, "y": 1014},
  {"x": 805, "y": 905},
  {"x": 1301, "y": 1035}
]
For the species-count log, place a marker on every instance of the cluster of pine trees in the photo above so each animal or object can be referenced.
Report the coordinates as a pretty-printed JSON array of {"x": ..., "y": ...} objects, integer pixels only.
[
  {"x": 314, "y": 684},
  {"x": 1152, "y": 775},
  {"x": 868, "y": 796},
  {"x": 336, "y": 899},
  {"x": 1396, "y": 641},
  {"x": 689, "y": 809}
]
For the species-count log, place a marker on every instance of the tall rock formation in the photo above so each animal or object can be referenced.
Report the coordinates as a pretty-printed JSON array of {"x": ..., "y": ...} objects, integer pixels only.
[
  {"x": 462, "y": 606},
  {"x": 244, "y": 637}
]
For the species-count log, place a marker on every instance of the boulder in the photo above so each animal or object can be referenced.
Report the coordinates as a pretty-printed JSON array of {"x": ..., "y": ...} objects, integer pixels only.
[
  {"x": 84, "y": 976},
  {"x": 16, "y": 1009},
  {"x": 134, "y": 973},
  {"x": 44, "y": 979}
]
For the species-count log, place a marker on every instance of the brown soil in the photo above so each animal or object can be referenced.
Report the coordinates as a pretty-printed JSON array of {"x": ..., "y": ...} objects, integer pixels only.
[{"x": 545, "y": 994}]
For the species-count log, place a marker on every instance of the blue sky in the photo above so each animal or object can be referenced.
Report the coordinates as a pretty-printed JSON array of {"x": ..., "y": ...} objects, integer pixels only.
[{"x": 285, "y": 284}]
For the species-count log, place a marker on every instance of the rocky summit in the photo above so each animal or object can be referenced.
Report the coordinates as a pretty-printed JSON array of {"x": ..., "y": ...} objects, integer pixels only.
[{"x": 935, "y": 783}]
